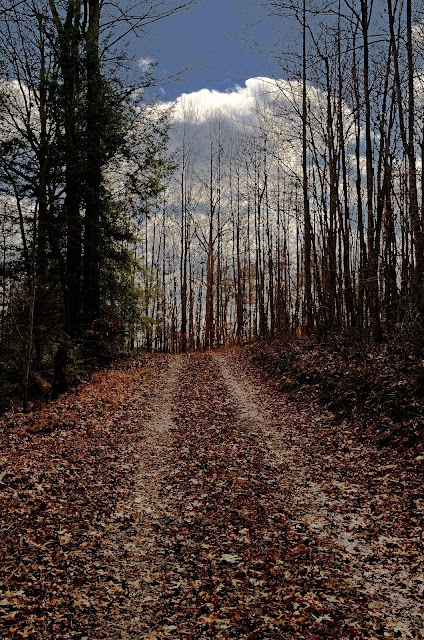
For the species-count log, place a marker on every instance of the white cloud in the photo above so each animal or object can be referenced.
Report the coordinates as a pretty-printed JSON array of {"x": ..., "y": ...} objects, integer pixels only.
[
  {"x": 264, "y": 111},
  {"x": 270, "y": 104},
  {"x": 146, "y": 63},
  {"x": 236, "y": 103}
]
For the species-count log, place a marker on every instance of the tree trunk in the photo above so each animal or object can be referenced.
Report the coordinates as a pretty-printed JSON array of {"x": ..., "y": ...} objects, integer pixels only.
[{"x": 93, "y": 174}]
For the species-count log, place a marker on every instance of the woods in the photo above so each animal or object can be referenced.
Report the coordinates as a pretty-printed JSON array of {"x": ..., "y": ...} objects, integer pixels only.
[
  {"x": 82, "y": 156},
  {"x": 211, "y": 327},
  {"x": 177, "y": 226},
  {"x": 302, "y": 212}
]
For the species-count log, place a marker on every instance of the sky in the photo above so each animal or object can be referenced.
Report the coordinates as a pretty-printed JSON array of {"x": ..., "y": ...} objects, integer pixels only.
[{"x": 215, "y": 41}]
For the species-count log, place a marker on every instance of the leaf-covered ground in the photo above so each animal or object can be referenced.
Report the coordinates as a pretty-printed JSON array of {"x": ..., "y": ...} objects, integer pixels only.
[
  {"x": 378, "y": 388},
  {"x": 182, "y": 497}
]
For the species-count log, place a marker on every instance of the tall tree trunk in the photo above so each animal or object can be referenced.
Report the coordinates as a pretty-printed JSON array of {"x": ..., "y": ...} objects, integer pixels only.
[
  {"x": 363, "y": 257},
  {"x": 239, "y": 294},
  {"x": 209, "y": 302},
  {"x": 93, "y": 174},
  {"x": 416, "y": 221},
  {"x": 372, "y": 276},
  {"x": 407, "y": 134},
  {"x": 344, "y": 219},
  {"x": 308, "y": 310},
  {"x": 69, "y": 61},
  {"x": 32, "y": 301},
  {"x": 183, "y": 262}
]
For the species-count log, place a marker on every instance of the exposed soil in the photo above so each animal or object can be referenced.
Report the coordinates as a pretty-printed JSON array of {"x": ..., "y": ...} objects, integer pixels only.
[{"x": 186, "y": 497}]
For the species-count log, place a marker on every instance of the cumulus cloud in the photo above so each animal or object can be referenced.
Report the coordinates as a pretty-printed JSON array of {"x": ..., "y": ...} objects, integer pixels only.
[
  {"x": 19, "y": 111},
  {"x": 239, "y": 102},
  {"x": 239, "y": 118},
  {"x": 272, "y": 104},
  {"x": 241, "y": 121}
]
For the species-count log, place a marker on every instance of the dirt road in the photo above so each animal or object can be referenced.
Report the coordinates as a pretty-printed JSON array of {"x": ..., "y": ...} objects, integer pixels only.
[
  {"x": 262, "y": 520},
  {"x": 251, "y": 517}
]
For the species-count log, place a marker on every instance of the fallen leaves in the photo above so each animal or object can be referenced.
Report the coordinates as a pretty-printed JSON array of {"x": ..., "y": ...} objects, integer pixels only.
[
  {"x": 63, "y": 470},
  {"x": 193, "y": 501}
]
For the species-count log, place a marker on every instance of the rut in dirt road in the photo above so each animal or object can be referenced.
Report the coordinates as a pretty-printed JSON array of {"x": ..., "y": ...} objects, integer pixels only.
[{"x": 264, "y": 523}]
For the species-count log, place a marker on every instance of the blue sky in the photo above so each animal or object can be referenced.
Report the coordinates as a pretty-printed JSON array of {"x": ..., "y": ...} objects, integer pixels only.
[{"x": 214, "y": 40}]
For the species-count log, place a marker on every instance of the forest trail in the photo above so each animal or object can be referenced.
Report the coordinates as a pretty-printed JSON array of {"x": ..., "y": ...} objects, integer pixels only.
[
  {"x": 240, "y": 515},
  {"x": 260, "y": 524}
]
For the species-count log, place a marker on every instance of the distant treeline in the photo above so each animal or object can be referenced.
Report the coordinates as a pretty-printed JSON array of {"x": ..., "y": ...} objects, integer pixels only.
[{"x": 307, "y": 215}]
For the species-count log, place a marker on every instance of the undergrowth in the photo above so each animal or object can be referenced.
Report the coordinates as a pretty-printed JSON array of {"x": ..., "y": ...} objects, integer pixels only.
[{"x": 378, "y": 388}]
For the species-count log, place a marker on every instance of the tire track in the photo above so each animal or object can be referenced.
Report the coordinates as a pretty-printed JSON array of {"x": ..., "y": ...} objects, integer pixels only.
[{"x": 145, "y": 562}]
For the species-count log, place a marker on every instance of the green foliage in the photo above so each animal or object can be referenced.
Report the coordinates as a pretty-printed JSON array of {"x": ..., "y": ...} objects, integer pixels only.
[{"x": 127, "y": 290}]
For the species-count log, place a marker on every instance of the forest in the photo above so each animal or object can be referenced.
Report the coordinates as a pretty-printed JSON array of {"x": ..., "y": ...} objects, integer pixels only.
[
  {"x": 212, "y": 314},
  {"x": 131, "y": 223}
]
